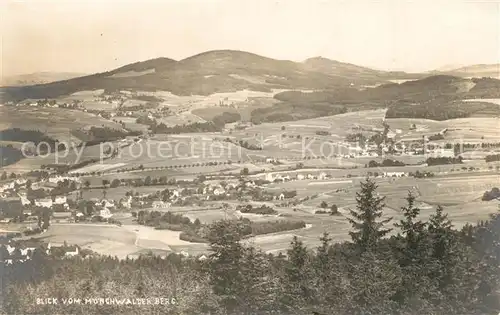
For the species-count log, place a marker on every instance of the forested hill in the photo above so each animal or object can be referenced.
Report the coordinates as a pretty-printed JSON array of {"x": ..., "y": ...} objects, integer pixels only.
[{"x": 212, "y": 72}]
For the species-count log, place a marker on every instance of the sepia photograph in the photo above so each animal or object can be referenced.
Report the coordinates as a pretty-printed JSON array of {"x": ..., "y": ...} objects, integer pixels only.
[{"x": 250, "y": 157}]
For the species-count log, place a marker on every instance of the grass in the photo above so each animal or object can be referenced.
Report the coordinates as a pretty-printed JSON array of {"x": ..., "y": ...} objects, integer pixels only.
[{"x": 55, "y": 122}]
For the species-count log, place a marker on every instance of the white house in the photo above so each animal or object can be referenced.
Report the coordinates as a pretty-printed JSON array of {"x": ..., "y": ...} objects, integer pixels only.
[
  {"x": 105, "y": 213},
  {"x": 322, "y": 175},
  {"x": 60, "y": 200},
  {"x": 281, "y": 196},
  {"x": 443, "y": 153},
  {"x": 128, "y": 203},
  {"x": 269, "y": 177},
  {"x": 21, "y": 181},
  {"x": 105, "y": 203},
  {"x": 300, "y": 176},
  {"x": 219, "y": 191},
  {"x": 58, "y": 178},
  {"x": 391, "y": 134},
  {"x": 10, "y": 249},
  {"x": 27, "y": 250},
  {"x": 44, "y": 203},
  {"x": 24, "y": 200},
  {"x": 72, "y": 253}
]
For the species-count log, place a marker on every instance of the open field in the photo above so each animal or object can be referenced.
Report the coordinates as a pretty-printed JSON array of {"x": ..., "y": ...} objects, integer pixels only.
[
  {"x": 339, "y": 125},
  {"x": 123, "y": 241},
  {"x": 130, "y": 123},
  {"x": 55, "y": 122}
]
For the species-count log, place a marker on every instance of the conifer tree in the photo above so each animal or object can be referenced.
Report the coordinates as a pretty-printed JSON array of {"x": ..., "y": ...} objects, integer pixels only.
[
  {"x": 412, "y": 251},
  {"x": 368, "y": 229},
  {"x": 322, "y": 258},
  {"x": 440, "y": 228},
  {"x": 296, "y": 291},
  {"x": 412, "y": 230},
  {"x": 227, "y": 253}
]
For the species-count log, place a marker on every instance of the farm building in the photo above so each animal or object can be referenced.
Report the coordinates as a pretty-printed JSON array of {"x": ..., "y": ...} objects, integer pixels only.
[
  {"x": 219, "y": 191},
  {"x": 60, "y": 200},
  {"x": 105, "y": 213},
  {"x": 44, "y": 203},
  {"x": 57, "y": 179}
]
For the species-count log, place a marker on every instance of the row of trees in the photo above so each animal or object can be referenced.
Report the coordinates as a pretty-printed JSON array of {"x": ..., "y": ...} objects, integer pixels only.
[
  {"x": 6, "y": 176},
  {"x": 385, "y": 163}
]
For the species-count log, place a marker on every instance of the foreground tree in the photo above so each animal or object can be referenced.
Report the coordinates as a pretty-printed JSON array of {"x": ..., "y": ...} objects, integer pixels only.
[
  {"x": 227, "y": 253},
  {"x": 412, "y": 252},
  {"x": 412, "y": 232},
  {"x": 368, "y": 229}
]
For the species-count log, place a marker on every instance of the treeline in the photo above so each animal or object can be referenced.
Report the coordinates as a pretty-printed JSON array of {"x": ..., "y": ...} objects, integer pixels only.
[
  {"x": 21, "y": 135},
  {"x": 106, "y": 133},
  {"x": 386, "y": 163},
  {"x": 492, "y": 158},
  {"x": 419, "y": 174},
  {"x": 436, "y": 137},
  {"x": 443, "y": 160},
  {"x": 323, "y": 133},
  {"x": 195, "y": 231},
  {"x": 289, "y": 111},
  {"x": 441, "y": 109},
  {"x": 35, "y": 136},
  {"x": 9, "y": 155},
  {"x": 494, "y": 193},
  {"x": 244, "y": 144},
  {"x": 356, "y": 137},
  {"x": 427, "y": 268},
  {"x": 190, "y": 128},
  {"x": 263, "y": 209},
  {"x": 148, "y": 98},
  {"x": 226, "y": 118},
  {"x": 5, "y": 176}
]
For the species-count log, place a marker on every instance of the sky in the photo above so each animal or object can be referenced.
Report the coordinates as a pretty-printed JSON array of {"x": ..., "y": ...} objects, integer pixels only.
[{"x": 99, "y": 35}]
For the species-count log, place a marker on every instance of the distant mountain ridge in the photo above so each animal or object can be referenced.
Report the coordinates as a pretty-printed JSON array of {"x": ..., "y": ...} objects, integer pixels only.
[
  {"x": 228, "y": 71},
  {"x": 37, "y": 78},
  {"x": 477, "y": 71},
  {"x": 334, "y": 67},
  {"x": 214, "y": 71}
]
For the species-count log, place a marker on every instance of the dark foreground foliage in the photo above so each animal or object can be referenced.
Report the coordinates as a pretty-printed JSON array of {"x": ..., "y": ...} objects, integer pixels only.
[{"x": 427, "y": 268}]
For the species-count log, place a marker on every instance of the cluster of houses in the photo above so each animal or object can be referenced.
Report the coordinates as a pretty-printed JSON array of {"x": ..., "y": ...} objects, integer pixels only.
[
  {"x": 7, "y": 189},
  {"x": 283, "y": 178},
  {"x": 22, "y": 251}
]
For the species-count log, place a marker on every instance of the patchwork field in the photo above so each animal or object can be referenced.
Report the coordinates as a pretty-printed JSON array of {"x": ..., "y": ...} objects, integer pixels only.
[{"x": 55, "y": 122}]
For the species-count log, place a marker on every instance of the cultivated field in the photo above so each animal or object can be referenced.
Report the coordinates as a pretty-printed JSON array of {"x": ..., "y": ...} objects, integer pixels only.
[
  {"x": 55, "y": 122},
  {"x": 127, "y": 240}
]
